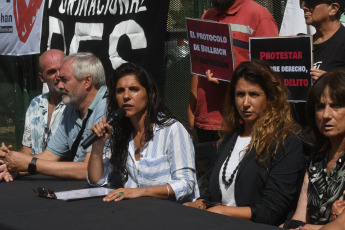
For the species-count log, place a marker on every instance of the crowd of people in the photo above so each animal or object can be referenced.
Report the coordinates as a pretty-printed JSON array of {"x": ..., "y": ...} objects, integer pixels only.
[{"x": 260, "y": 173}]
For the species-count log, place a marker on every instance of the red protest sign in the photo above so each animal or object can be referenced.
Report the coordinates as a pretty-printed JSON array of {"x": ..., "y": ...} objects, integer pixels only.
[{"x": 210, "y": 48}]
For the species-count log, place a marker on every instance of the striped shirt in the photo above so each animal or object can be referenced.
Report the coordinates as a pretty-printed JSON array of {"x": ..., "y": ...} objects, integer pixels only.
[{"x": 166, "y": 159}]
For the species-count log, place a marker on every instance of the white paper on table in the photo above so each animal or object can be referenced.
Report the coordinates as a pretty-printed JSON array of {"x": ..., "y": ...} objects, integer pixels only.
[{"x": 83, "y": 193}]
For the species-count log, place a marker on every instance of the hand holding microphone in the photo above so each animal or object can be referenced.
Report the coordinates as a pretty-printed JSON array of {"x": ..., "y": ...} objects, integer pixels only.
[{"x": 103, "y": 128}]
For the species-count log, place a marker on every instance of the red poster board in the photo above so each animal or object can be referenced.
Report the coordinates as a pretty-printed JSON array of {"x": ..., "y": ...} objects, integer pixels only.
[{"x": 210, "y": 48}]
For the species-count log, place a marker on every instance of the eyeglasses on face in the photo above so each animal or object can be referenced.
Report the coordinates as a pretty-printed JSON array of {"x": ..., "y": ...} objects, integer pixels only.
[
  {"x": 46, "y": 193},
  {"x": 313, "y": 3}
]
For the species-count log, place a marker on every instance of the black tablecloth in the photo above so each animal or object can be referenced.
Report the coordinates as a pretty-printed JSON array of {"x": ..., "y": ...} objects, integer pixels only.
[{"x": 20, "y": 208}]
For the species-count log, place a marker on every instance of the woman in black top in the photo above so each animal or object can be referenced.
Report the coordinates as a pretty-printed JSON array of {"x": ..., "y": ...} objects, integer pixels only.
[
  {"x": 324, "y": 181},
  {"x": 260, "y": 157},
  {"x": 329, "y": 39}
]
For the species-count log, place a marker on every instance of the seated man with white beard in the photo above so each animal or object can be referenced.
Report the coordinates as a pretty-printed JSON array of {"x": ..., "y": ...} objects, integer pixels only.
[{"x": 81, "y": 83}]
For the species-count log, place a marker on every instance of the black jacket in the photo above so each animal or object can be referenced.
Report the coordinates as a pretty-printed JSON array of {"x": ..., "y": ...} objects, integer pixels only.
[{"x": 269, "y": 190}]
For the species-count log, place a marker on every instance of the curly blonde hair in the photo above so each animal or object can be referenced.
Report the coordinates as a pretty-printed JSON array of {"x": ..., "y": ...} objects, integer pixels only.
[{"x": 275, "y": 124}]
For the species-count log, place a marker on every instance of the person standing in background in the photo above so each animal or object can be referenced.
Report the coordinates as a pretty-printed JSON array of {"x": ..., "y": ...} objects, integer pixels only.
[
  {"x": 329, "y": 39},
  {"x": 247, "y": 19}
]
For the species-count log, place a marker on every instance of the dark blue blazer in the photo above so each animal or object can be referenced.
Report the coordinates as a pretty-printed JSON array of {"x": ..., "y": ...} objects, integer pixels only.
[{"x": 269, "y": 190}]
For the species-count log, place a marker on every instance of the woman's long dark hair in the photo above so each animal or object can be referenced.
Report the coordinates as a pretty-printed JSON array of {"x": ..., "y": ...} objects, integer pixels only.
[
  {"x": 335, "y": 81},
  {"x": 157, "y": 113}
]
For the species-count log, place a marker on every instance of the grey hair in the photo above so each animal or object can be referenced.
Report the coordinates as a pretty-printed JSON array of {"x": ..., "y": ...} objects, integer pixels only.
[{"x": 87, "y": 64}]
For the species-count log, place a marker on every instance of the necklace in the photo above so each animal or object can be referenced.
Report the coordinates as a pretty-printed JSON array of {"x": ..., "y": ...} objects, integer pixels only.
[{"x": 231, "y": 179}]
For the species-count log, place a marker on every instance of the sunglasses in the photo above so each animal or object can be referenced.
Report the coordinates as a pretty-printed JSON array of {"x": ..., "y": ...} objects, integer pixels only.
[
  {"x": 312, "y": 3},
  {"x": 46, "y": 193}
]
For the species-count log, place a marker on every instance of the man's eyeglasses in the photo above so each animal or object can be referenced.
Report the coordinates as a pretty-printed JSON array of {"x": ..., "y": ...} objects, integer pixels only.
[
  {"x": 312, "y": 3},
  {"x": 46, "y": 193}
]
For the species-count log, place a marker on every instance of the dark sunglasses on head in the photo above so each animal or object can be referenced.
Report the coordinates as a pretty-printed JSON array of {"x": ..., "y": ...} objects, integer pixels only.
[
  {"x": 312, "y": 3},
  {"x": 46, "y": 193}
]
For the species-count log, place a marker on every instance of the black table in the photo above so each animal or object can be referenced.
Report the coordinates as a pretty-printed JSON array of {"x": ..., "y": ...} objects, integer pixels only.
[{"x": 20, "y": 208}]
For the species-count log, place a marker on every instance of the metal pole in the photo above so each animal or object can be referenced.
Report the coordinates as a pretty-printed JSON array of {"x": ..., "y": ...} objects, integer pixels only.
[
  {"x": 277, "y": 12},
  {"x": 198, "y": 8}
]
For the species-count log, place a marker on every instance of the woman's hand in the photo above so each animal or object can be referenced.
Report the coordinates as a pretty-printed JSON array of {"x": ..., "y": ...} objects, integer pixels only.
[
  {"x": 210, "y": 78},
  {"x": 219, "y": 209},
  {"x": 316, "y": 73},
  {"x": 123, "y": 193},
  {"x": 196, "y": 204},
  {"x": 95, "y": 167},
  {"x": 103, "y": 130}
]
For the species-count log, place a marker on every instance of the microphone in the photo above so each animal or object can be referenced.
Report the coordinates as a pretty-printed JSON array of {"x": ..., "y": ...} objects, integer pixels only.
[{"x": 112, "y": 120}]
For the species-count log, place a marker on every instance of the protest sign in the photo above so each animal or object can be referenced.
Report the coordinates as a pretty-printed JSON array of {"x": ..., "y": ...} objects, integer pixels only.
[
  {"x": 210, "y": 48},
  {"x": 20, "y": 26},
  {"x": 290, "y": 57},
  {"x": 115, "y": 31}
]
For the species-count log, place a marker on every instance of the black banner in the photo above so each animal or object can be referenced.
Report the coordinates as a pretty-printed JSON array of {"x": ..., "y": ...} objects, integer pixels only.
[
  {"x": 116, "y": 31},
  {"x": 290, "y": 57}
]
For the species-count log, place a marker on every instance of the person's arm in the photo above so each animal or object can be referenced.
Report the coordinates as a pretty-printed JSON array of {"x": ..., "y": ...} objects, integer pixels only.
[
  {"x": 160, "y": 192},
  {"x": 29, "y": 138},
  {"x": 192, "y": 101},
  {"x": 95, "y": 167},
  {"x": 214, "y": 81},
  {"x": 181, "y": 157},
  {"x": 282, "y": 183},
  {"x": 338, "y": 207},
  {"x": 196, "y": 204},
  {"x": 49, "y": 164},
  {"x": 337, "y": 224},
  {"x": 26, "y": 150},
  {"x": 301, "y": 210},
  {"x": 311, "y": 227},
  {"x": 239, "y": 212}
]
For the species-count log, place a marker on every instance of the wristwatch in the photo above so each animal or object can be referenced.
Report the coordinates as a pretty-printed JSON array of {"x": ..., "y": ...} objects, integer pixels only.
[{"x": 32, "y": 166}]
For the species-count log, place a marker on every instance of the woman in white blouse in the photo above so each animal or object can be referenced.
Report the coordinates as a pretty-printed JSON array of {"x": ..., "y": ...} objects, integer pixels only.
[{"x": 150, "y": 149}]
